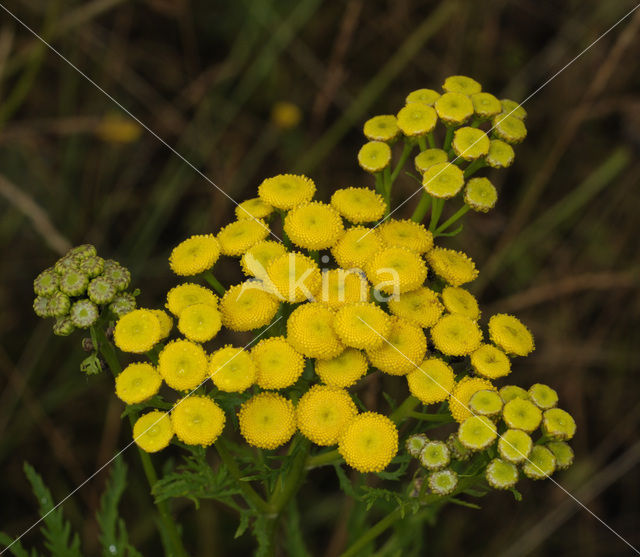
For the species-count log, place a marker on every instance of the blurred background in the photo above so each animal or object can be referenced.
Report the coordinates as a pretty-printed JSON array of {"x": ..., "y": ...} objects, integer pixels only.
[{"x": 248, "y": 89}]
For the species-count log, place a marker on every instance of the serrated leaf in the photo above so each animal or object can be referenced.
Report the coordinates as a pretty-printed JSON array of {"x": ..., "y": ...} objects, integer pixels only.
[
  {"x": 15, "y": 547},
  {"x": 91, "y": 365},
  {"x": 345, "y": 482},
  {"x": 244, "y": 524},
  {"x": 516, "y": 494}
]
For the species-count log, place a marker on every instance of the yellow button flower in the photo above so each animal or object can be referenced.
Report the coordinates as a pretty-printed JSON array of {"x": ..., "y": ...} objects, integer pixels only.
[
  {"x": 381, "y": 128},
  {"x": 358, "y": 205},
  {"x": 313, "y": 226},
  {"x": 340, "y": 287},
  {"x": 188, "y": 294},
  {"x": 500, "y": 154},
  {"x": 470, "y": 143},
  {"x": 563, "y": 453},
  {"x": 501, "y": 474},
  {"x": 137, "y": 382},
  {"x": 432, "y": 381},
  {"x": 462, "y": 392},
  {"x": 232, "y": 369},
  {"x": 194, "y": 255},
  {"x": 522, "y": 414},
  {"x": 199, "y": 322},
  {"x": 509, "y": 392},
  {"x": 485, "y": 403},
  {"x": 138, "y": 331},
  {"x": 403, "y": 349},
  {"x": 253, "y": 208},
  {"x": 477, "y": 433},
  {"x": 238, "y": 236},
  {"x": 509, "y": 128},
  {"x": 247, "y": 306},
  {"x": 395, "y": 270},
  {"x": 356, "y": 247},
  {"x": 406, "y": 234},
  {"x": 485, "y": 105},
  {"x": 197, "y": 420},
  {"x": 456, "y": 335},
  {"x": 428, "y": 158},
  {"x": 417, "y": 119},
  {"x": 454, "y": 108},
  {"x": 490, "y": 362},
  {"x": 458, "y": 300},
  {"x": 510, "y": 334},
  {"x": 461, "y": 84},
  {"x": 278, "y": 365},
  {"x": 153, "y": 431},
  {"x": 362, "y": 325},
  {"x": 513, "y": 108},
  {"x": 480, "y": 194},
  {"x": 256, "y": 259},
  {"x": 515, "y": 445},
  {"x": 540, "y": 464},
  {"x": 369, "y": 442},
  {"x": 374, "y": 156},
  {"x": 343, "y": 370},
  {"x": 310, "y": 331},
  {"x": 420, "y": 306},
  {"x": 543, "y": 396},
  {"x": 166, "y": 323},
  {"x": 454, "y": 267},
  {"x": 286, "y": 191},
  {"x": 295, "y": 277},
  {"x": 424, "y": 96},
  {"x": 183, "y": 365},
  {"x": 559, "y": 424},
  {"x": 267, "y": 420},
  {"x": 443, "y": 180}
]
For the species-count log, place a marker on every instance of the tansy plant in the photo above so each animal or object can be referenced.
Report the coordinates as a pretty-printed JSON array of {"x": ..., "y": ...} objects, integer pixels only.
[{"x": 336, "y": 297}]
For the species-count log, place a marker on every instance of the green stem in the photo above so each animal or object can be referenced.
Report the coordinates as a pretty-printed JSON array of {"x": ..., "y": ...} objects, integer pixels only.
[
  {"x": 474, "y": 167},
  {"x": 288, "y": 486},
  {"x": 323, "y": 459},
  {"x": 285, "y": 237},
  {"x": 386, "y": 185},
  {"x": 406, "y": 151},
  {"x": 422, "y": 143},
  {"x": 448, "y": 138},
  {"x": 432, "y": 140},
  {"x": 453, "y": 218},
  {"x": 436, "y": 211},
  {"x": 214, "y": 282},
  {"x": 379, "y": 183},
  {"x": 423, "y": 417},
  {"x": 403, "y": 411},
  {"x": 422, "y": 207},
  {"x": 373, "y": 532}
]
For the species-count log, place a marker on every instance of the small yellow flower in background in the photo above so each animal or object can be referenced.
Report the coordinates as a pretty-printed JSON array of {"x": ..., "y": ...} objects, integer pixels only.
[
  {"x": 188, "y": 294},
  {"x": 443, "y": 482},
  {"x": 501, "y": 474},
  {"x": 500, "y": 155},
  {"x": 256, "y": 259},
  {"x": 267, "y": 420},
  {"x": 513, "y": 108},
  {"x": 443, "y": 180},
  {"x": 459, "y": 300},
  {"x": 197, "y": 420},
  {"x": 313, "y": 226},
  {"x": 247, "y": 306},
  {"x": 340, "y": 287},
  {"x": 286, "y": 191},
  {"x": 114, "y": 128},
  {"x": 417, "y": 119},
  {"x": 543, "y": 396},
  {"x": 374, "y": 156},
  {"x": 285, "y": 115},
  {"x": 563, "y": 453},
  {"x": 486, "y": 105},
  {"x": 522, "y": 414},
  {"x": 232, "y": 369},
  {"x": 199, "y": 322},
  {"x": 490, "y": 362},
  {"x": 510, "y": 334},
  {"x": 424, "y": 96},
  {"x": 137, "y": 382},
  {"x": 253, "y": 208},
  {"x": 421, "y": 306},
  {"x": 480, "y": 194},
  {"x": 183, "y": 365},
  {"x": 356, "y": 247},
  {"x": 406, "y": 234},
  {"x": 454, "y": 108},
  {"x": 358, "y": 205},
  {"x": 559, "y": 424},
  {"x": 509, "y": 128},
  {"x": 369, "y": 442},
  {"x": 461, "y": 84},
  {"x": 485, "y": 403},
  {"x": 453, "y": 266},
  {"x": 153, "y": 431},
  {"x": 431, "y": 381},
  {"x": 278, "y": 365},
  {"x": 138, "y": 331},
  {"x": 294, "y": 276},
  {"x": 195, "y": 255},
  {"x": 381, "y": 128},
  {"x": 166, "y": 323},
  {"x": 477, "y": 432},
  {"x": 392, "y": 269},
  {"x": 540, "y": 464},
  {"x": 362, "y": 325},
  {"x": 509, "y": 392},
  {"x": 428, "y": 158},
  {"x": 310, "y": 331},
  {"x": 237, "y": 237},
  {"x": 470, "y": 143},
  {"x": 343, "y": 370},
  {"x": 402, "y": 350},
  {"x": 515, "y": 445},
  {"x": 462, "y": 392},
  {"x": 456, "y": 335},
  {"x": 323, "y": 413}
]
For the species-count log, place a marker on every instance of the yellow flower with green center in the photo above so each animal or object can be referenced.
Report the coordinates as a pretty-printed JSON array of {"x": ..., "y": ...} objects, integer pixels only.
[
  {"x": 286, "y": 191},
  {"x": 361, "y": 325},
  {"x": 477, "y": 433},
  {"x": 458, "y": 300},
  {"x": 522, "y": 414},
  {"x": 454, "y": 108},
  {"x": 278, "y": 365},
  {"x": 480, "y": 195},
  {"x": 294, "y": 276},
  {"x": 188, "y": 294},
  {"x": 435, "y": 455},
  {"x": 501, "y": 474},
  {"x": 406, "y": 234},
  {"x": 470, "y": 143},
  {"x": 490, "y": 362},
  {"x": 137, "y": 382},
  {"x": 417, "y": 119},
  {"x": 509, "y": 392},
  {"x": 559, "y": 424},
  {"x": 415, "y": 443},
  {"x": 254, "y": 208},
  {"x": 462, "y": 392},
  {"x": 543, "y": 396},
  {"x": 247, "y": 306},
  {"x": 323, "y": 413},
  {"x": 424, "y": 96},
  {"x": 138, "y": 331},
  {"x": 509, "y": 128},
  {"x": 420, "y": 306},
  {"x": 153, "y": 431},
  {"x": 402, "y": 350},
  {"x": 515, "y": 445},
  {"x": 183, "y": 365},
  {"x": 256, "y": 259},
  {"x": 381, "y": 128},
  {"x": 485, "y": 403},
  {"x": 197, "y": 420},
  {"x": 443, "y": 482},
  {"x": 485, "y": 105},
  {"x": 343, "y": 370},
  {"x": 199, "y": 322},
  {"x": 461, "y": 84},
  {"x": 358, "y": 205},
  {"x": 314, "y": 226},
  {"x": 374, "y": 156},
  {"x": 237, "y": 237},
  {"x": 356, "y": 247},
  {"x": 431, "y": 381},
  {"x": 428, "y": 158},
  {"x": 456, "y": 335},
  {"x": 513, "y": 108},
  {"x": 540, "y": 464},
  {"x": 510, "y": 334},
  {"x": 395, "y": 270},
  {"x": 267, "y": 420},
  {"x": 563, "y": 453},
  {"x": 455, "y": 267},
  {"x": 340, "y": 287},
  {"x": 232, "y": 369},
  {"x": 195, "y": 255},
  {"x": 500, "y": 154},
  {"x": 369, "y": 442},
  {"x": 443, "y": 180},
  {"x": 166, "y": 323},
  {"x": 310, "y": 331}
]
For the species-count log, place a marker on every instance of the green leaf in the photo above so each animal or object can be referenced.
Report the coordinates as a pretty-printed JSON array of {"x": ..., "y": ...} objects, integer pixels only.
[
  {"x": 516, "y": 494},
  {"x": 345, "y": 482},
  {"x": 244, "y": 524},
  {"x": 91, "y": 365},
  {"x": 16, "y": 548}
]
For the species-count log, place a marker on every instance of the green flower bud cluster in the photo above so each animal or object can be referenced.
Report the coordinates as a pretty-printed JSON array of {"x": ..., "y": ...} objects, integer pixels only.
[{"x": 78, "y": 287}]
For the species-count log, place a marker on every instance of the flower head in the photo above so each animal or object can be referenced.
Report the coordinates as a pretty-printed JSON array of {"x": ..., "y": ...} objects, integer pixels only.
[
  {"x": 362, "y": 325},
  {"x": 460, "y": 301},
  {"x": 374, "y": 156},
  {"x": 369, "y": 442},
  {"x": 490, "y": 362},
  {"x": 480, "y": 194},
  {"x": 188, "y": 294},
  {"x": 406, "y": 234},
  {"x": 432, "y": 381},
  {"x": 247, "y": 306},
  {"x": 485, "y": 403},
  {"x": 166, "y": 323},
  {"x": 420, "y": 306},
  {"x": 442, "y": 180},
  {"x": 46, "y": 283},
  {"x": 515, "y": 445},
  {"x": 543, "y": 396},
  {"x": 521, "y": 414},
  {"x": 115, "y": 273},
  {"x": 461, "y": 84},
  {"x": 123, "y": 303},
  {"x": 510, "y": 334},
  {"x": 340, "y": 287},
  {"x": 310, "y": 331},
  {"x": 470, "y": 143},
  {"x": 563, "y": 453},
  {"x": 85, "y": 313},
  {"x": 500, "y": 154},
  {"x": 63, "y": 327},
  {"x": 197, "y": 420},
  {"x": 101, "y": 290},
  {"x": 402, "y": 350},
  {"x": 137, "y": 382},
  {"x": 314, "y": 226},
  {"x": 254, "y": 208},
  {"x": 294, "y": 276},
  {"x": 356, "y": 247},
  {"x": 183, "y": 365},
  {"x": 256, "y": 259},
  {"x": 462, "y": 393},
  {"x": 343, "y": 370},
  {"x": 454, "y": 267},
  {"x": 395, "y": 270},
  {"x": 195, "y": 255},
  {"x": 509, "y": 392},
  {"x": 424, "y": 96},
  {"x": 238, "y": 236},
  {"x": 501, "y": 474},
  {"x": 427, "y": 158},
  {"x": 454, "y": 108},
  {"x": 485, "y": 105},
  {"x": 509, "y": 128},
  {"x": 443, "y": 482},
  {"x": 540, "y": 464},
  {"x": 267, "y": 420},
  {"x": 137, "y": 331},
  {"x": 358, "y": 205},
  {"x": 415, "y": 444},
  {"x": 477, "y": 432},
  {"x": 381, "y": 128},
  {"x": 153, "y": 431},
  {"x": 513, "y": 108},
  {"x": 416, "y": 119},
  {"x": 232, "y": 369},
  {"x": 286, "y": 191},
  {"x": 435, "y": 455},
  {"x": 199, "y": 322},
  {"x": 559, "y": 424},
  {"x": 278, "y": 365},
  {"x": 456, "y": 335},
  {"x": 73, "y": 282}
]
